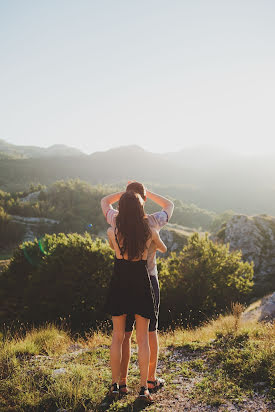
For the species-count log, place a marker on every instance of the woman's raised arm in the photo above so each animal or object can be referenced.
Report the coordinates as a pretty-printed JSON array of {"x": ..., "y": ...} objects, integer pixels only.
[{"x": 107, "y": 201}]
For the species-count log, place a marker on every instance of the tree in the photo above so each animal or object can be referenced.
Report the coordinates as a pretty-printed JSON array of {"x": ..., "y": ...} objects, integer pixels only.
[{"x": 205, "y": 277}]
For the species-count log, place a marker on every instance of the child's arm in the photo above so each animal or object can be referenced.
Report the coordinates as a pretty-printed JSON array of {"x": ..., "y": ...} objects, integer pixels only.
[
  {"x": 165, "y": 203},
  {"x": 158, "y": 242}
]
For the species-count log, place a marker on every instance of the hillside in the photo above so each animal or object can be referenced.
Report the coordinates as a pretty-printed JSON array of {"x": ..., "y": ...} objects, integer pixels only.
[
  {"x": 16, "y": 151},
  {"x": 225, "y": 365},
  {"x": 74, "y": 204},
  {"x": 212, "y": 180}
]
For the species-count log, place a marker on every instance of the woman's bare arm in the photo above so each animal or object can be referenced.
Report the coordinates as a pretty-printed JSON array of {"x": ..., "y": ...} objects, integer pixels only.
[
  {"x": 110, "y": 237},
  {"x": 158, "y": 242},
  {"x": 107, "y": 201}
]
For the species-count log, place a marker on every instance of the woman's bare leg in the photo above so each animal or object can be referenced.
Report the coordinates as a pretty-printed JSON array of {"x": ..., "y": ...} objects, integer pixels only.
[
  {"x": 126, "y": 354},
  {"x": 116, "y": 346},
  {"x": 142, "y": 325}
]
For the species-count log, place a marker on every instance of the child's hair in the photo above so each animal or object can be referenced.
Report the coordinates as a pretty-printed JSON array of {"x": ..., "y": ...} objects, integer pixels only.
[{"x": 137, "y": 188}]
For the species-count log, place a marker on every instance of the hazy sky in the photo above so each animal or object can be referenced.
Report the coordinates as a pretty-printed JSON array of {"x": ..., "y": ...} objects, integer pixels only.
[{"x": 96, "y": 74}]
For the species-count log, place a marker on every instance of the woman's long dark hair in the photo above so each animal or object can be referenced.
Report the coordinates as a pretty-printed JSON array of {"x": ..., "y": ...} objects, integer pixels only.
[{"x": 132, "y": 225}]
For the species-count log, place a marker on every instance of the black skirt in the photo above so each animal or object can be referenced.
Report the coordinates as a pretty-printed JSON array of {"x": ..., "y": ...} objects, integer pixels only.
[{"x": 130, "y": 290}]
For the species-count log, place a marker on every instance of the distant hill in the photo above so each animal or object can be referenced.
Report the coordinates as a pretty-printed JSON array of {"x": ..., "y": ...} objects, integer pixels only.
[
  {"x": 57, "y": 150},
  {"x": 210, "y": 178}
]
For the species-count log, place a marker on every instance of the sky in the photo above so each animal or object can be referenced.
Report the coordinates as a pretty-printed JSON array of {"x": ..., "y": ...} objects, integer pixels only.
[{"x": 164, "y": 75}]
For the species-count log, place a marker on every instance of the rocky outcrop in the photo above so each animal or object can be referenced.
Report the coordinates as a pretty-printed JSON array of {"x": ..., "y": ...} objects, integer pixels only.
[
  {"x": 175, "y": 237},
  {"x": 31, "y": 197},
  {"x": 255, "y": 236},
  {"x": 261, "y": 310}
]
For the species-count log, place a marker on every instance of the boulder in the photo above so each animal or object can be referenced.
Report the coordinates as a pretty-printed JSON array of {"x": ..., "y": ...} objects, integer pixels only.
[
  {"x": 262, "y": 310},
  {"x": 255, "y": 237}
]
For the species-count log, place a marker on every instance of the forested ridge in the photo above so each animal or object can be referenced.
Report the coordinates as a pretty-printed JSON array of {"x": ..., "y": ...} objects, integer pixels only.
[
  {"x": 75, "y": 204},
  {"x": 212, "y": 180}
]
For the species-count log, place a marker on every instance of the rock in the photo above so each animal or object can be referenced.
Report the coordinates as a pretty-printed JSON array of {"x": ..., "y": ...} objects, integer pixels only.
[
  {"x": 74, "y": 347},
  {"x": 255, "y": 237},
  {"x": 175, "y": 237},
  {"x": 260, "y": 384},
  {"x": 59, "y": 371},
  {"x": 31, "y": 197},
  {"x": 262, "y": 310}
]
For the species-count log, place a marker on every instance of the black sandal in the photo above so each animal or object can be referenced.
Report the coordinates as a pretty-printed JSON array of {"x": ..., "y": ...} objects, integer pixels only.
[
  {"x": 122, "y": 393},
  {"x": 114, "y": 393},
  {"x": 145, "y": 397},
  {"x": 158, "y": 383}
]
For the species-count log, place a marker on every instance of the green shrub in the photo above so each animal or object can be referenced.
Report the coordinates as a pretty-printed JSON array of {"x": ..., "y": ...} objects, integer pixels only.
[
  {"x": 10, "y": 232},
  {"x": 65, "y": 276},
  {"x": 203, "y": 279}
]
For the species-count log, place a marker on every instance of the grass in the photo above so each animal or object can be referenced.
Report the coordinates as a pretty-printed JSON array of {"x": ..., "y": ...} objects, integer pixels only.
[
  {"x": 47, "y": 368},
  {"x": 3, "y": 263}
]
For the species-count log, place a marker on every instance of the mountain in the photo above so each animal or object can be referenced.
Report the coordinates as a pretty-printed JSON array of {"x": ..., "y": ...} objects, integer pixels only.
[
  {"x": 211, "y": 178},
  {"x": 57, "y": 150}
]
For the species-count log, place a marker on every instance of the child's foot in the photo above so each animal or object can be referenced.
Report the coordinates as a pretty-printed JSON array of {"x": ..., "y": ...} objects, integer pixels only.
[
  {"x": 114, "y": 391},
  {"x": 153, "y": 386},
  {"x": 144, "y": 395},
  {"x": 123, "y": 389}
]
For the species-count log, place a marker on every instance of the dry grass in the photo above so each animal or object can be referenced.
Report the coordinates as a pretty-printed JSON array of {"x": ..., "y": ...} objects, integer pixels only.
[
  {"x": 27, "y": 385},
  {"x": 264, "y": 332}
]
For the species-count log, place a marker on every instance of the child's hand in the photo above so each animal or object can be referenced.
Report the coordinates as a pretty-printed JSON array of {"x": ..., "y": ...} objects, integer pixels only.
[{"x": 153, "y": 245}]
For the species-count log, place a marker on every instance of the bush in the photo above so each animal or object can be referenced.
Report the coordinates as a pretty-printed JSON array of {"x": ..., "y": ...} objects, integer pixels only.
[
  {"x": 10, "y": 232},
  {"x": 203, "y": 279},
  {"x": 67, "y": 277},
  {"x": 59, "y": 277}
]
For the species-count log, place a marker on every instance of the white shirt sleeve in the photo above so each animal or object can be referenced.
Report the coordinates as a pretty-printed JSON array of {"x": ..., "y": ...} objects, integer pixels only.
[
  {"x": 161, "y": 218},
  {"x": 111, "y": 217}
]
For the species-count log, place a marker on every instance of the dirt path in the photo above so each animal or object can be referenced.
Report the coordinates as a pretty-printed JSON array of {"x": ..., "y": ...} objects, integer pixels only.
[{"x": 177, "y": 395}]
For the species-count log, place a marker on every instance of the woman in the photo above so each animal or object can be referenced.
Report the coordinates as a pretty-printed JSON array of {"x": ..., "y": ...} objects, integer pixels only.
[{"x": 130, "y": 289}]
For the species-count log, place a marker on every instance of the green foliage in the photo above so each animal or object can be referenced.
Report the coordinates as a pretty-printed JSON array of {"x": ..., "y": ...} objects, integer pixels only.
[
  {"x": 235, "y": 366},
  {"x": 204, "y": 278},
  {"x": 65, "y": 277},
  {"x": 10, "y": 232},
  {"x": 75, "y": 204},
  {"x": 243, "y": 360}
]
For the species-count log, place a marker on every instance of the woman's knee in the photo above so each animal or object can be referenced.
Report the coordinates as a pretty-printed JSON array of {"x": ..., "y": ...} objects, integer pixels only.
[
  {"x": 142, "y": 326},
  {"x": 118, "y": 336},
  {"x": 142, "y": 339}
]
